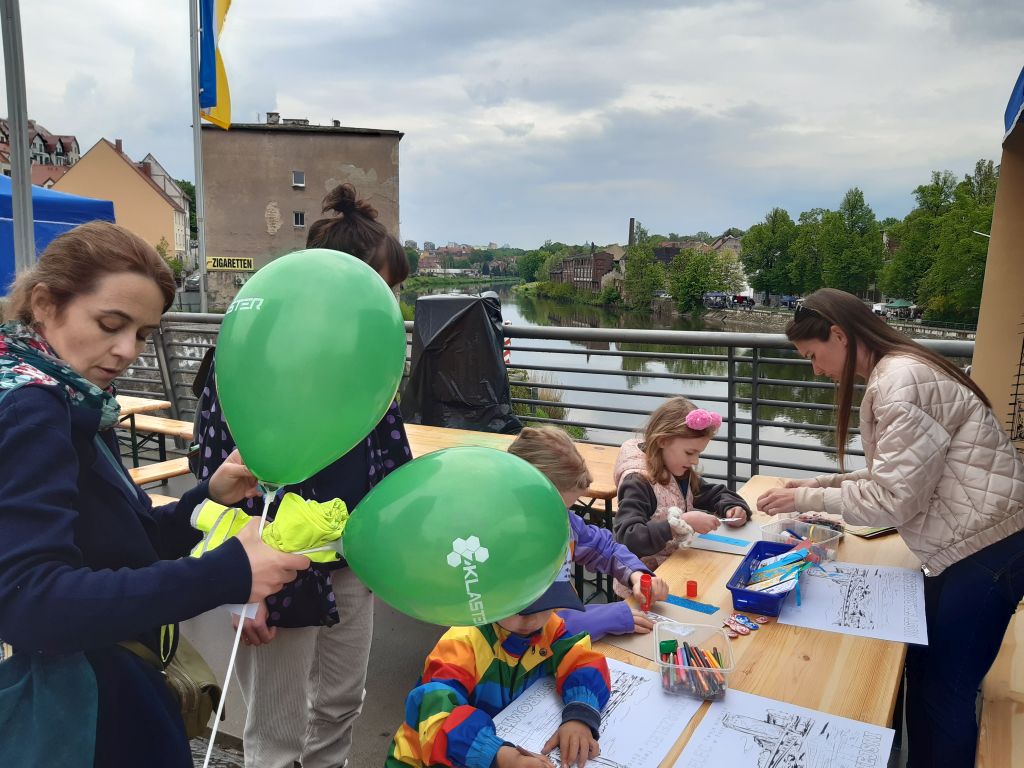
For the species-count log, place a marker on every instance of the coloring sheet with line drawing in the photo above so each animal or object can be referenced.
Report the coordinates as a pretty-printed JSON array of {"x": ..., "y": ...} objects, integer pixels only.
[
  {"x": 744, "y": 730},
  {"x": 865, "y": 600},
  {"x": 643, "y": 645},
  {"x": 638, "y": 727},
  {"x": 733, "y": 541}
]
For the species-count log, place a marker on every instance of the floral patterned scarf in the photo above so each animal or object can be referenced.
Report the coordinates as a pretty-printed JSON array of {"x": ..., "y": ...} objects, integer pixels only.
[{"x": 26, "y": 359}]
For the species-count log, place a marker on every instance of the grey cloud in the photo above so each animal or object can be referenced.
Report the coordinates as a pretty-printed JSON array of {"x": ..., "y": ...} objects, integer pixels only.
[{"x": 998, "y": 19}]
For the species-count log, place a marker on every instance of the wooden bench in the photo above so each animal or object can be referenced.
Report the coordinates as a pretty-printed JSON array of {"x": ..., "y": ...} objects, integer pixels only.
[
  {"x": 153, "y": 428},
  {"x": 1001, "y": 736},
  {"x": 159, "y": 472}
]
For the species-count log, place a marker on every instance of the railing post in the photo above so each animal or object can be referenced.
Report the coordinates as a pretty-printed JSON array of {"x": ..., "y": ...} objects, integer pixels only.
[
  {"x": 755, "y": 428},
  {"x": 731, "y": 446},
  {"x": 165, "y": 370}
]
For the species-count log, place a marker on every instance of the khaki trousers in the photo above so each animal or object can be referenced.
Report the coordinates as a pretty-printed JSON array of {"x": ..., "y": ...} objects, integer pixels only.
[{"x": 304, "y": 691}]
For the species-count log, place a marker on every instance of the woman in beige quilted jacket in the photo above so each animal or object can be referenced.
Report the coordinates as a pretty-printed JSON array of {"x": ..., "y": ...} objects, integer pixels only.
[{"x": 941, "y": 469}]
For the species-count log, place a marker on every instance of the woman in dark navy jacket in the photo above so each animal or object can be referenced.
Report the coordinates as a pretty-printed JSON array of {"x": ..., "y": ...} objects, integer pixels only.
[{"x": 86, "y": 561}]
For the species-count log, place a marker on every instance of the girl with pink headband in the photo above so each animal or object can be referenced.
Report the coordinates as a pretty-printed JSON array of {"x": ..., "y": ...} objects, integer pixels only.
[{"x": 661, "y": 494}]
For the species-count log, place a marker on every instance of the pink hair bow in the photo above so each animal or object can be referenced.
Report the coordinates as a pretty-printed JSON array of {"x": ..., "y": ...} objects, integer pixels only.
[{"x": 699, "y": 419}]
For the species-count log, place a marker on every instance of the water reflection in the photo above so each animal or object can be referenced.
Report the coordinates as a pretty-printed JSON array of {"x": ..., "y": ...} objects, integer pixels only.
[{"x": 642, "y": 389}]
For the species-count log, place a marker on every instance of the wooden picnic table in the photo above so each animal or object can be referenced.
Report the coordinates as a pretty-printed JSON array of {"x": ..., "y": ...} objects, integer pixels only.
[
  {"x": 854, "y": 677},
  {"x": 133, "y": 405},
  {"x": 600, "y": 458}
]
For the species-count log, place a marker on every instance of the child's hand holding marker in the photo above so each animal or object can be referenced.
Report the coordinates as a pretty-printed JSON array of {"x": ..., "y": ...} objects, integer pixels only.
[
  {"x": 735, "y": 517},
  {"x": 658, "y": 589}
]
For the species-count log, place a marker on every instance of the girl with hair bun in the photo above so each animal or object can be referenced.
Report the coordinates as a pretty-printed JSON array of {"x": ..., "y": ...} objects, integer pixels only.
[{"x": 302, "y": 667}]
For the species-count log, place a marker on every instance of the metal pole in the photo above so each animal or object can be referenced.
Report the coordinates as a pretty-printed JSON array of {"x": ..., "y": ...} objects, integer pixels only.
[
  {"x": 733, "y": 431},
  {"x": 17, "y": 118},
  {"x": 197, "y": 150},
  {"x": 755, "y": 396}
]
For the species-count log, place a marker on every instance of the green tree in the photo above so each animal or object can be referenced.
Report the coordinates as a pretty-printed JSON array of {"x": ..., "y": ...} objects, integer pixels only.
[
  {"x": 413, "y": 257},
  {"x": 914, "y": 239},
  {"x": 767, "y": 251},
  {"x": 805, "y": 265},
  {"x": 528, "y": 263},
  {"x": 951, "y": 289},
  {"x": 190, "y": 192},
  {"x": 643, "y": 275},
  {"x": 551, "y": 261},
  {"x": 693, "y": 273},
  {"x": 852, "y": 253}
]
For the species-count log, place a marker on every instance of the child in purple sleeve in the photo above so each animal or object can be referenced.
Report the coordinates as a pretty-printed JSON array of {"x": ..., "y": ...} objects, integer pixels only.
[{"x": 552, "y": 452}]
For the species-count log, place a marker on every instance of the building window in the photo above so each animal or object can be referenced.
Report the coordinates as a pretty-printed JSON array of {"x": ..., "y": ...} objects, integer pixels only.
[
  {"x": 299, "y": 218},
  {"x": 298, "y": 179}
]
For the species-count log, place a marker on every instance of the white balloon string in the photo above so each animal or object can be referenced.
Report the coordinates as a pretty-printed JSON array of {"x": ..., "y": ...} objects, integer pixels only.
[{"x": 268, "y": 496}]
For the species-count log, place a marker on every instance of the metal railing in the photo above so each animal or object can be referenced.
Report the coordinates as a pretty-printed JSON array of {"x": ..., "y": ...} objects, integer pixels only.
[{"x": 600, "y": 385}]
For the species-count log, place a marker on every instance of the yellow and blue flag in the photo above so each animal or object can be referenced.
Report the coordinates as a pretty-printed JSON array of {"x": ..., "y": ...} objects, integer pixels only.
[{"x": 214, "y": 96}]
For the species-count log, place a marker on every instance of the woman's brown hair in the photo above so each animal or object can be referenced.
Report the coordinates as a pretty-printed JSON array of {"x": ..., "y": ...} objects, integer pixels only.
[
  {"x": 667, "y": 422},
  {"x": 552, "y": 452},
  {"x": 74, "y": 262},
  {"x": 865, "y": 330},
  {"x": 355, "y": 230}
]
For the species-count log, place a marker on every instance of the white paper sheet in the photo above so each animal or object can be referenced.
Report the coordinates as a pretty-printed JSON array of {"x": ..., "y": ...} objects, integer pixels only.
[
  {"x": 746, "y": 730},
  {"x": 643, "y": 645},
  {"x": 748, "y": 534},
  {"x": 864, "y": 600},
  {"x": 638, "y": 727}
]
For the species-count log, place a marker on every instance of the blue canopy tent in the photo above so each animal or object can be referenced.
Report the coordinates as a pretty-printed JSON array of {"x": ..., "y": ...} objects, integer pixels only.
[{"x": 54, "y": 212}]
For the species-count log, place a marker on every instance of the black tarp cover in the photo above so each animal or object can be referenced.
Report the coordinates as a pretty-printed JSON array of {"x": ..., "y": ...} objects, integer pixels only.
[{"x": 458, "y": 377}]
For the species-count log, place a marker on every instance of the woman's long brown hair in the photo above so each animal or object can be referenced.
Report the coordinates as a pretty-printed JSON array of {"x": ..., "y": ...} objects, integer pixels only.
[{"x": 865, "y": 330}]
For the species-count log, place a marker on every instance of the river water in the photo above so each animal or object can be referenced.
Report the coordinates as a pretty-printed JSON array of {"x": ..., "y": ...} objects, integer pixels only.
[{"x": 639, "y": 376}]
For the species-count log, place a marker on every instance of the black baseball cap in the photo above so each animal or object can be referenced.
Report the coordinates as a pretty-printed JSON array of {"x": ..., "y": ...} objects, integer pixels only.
[{"x": 559, "y": 595}]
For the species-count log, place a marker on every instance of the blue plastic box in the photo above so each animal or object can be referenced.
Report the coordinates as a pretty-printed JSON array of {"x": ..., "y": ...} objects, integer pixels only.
[{"x": 747, "y": 599}]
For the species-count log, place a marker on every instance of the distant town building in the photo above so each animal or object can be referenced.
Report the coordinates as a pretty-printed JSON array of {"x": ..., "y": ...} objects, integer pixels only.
[
  {"x": 141, "y": 197},
  {"x": 265, "y": 184},
  {"x": 428, "y": 264},
  {"x": 50, "y": 154},
  {"x": 411, "y": 244},
  {"x": 584, "y": 271},
  {"x": 728, "y": 243},
  {"x": 429, "y": 246},
  {"x": 667, "y": 250}
]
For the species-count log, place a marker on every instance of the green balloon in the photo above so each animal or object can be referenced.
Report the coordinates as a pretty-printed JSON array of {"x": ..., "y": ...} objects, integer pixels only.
[
  {"x": 310, "y": 355},
  {"x": 458, "y": 537}
]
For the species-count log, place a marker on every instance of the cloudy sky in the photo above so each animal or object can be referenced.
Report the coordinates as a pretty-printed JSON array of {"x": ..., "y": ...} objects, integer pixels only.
[{"x": 560, "y": 119}]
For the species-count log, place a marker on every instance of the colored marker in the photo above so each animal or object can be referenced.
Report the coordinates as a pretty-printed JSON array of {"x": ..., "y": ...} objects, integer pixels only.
[{"x": 645, "y": 591}]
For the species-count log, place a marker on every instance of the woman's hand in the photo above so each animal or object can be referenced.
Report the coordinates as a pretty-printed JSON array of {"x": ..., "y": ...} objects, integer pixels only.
[
  {"x": 271, "y": 569},
  {"x": 701, "y": 522},
  {"x": 778, "y": 501},
  {"x": 233, "y": 481}
]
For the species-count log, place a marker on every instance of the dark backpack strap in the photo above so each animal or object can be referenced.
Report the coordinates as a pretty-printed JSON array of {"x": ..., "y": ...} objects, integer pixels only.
[{"x": 204, "y": 371}]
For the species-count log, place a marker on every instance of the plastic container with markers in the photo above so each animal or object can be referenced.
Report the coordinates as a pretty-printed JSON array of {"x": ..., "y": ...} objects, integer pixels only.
[{"x": 701, "y": 663}]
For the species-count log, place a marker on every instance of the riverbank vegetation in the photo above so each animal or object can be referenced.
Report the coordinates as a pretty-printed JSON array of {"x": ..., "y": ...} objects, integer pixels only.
[
  {"x": 551, "y": 407},
  {"x": 436, "y": 281}
]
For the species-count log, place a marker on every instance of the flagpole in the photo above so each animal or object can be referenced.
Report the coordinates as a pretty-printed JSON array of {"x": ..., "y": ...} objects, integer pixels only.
[
  {"x": 17, "y": 114},
  {"x": 197, "y": 149}
]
